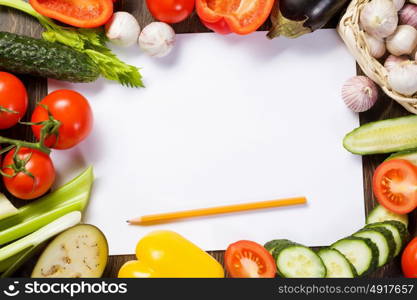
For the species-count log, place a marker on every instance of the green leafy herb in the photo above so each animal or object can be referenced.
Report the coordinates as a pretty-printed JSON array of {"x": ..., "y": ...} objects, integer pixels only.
[{"x": 90, "y": 41}]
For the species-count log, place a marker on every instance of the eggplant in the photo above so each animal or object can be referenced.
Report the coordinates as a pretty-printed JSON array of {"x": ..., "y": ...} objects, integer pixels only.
[{"x": 293, "y": 18}]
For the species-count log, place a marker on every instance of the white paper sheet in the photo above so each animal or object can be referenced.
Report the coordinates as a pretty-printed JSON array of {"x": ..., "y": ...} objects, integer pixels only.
[{"x": 223, "y": 120}]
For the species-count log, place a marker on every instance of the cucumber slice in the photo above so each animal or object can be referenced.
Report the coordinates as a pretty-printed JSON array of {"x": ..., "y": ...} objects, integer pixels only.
[
  {"x": 398, "y": 230},
  {"x": 272, "y": 245},
  {"x": 383, "y": 239},
  {"x": 381, "y": 214},
  {"x": 298, "y": 261},
  {"x": 385, "y": 136},
  {"x": 362, "y": 253},
  {"x": 336, "y": 264},
  {"x": 410, "y": 155}
]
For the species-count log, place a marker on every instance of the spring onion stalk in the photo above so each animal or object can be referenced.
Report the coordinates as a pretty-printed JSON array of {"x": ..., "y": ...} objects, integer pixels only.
[
  {"x": 6, "y": 208},
  {"x": 90, "y": 41},
  {"x": 41, "y": 235},
  {"x": 73, "y": 196},
  {"x": 18, "y": 260}
]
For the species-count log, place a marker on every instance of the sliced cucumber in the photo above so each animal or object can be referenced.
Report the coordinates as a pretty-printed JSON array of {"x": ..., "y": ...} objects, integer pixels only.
[
  {"x": 385, "y": 136},
  {"x": 336, "y": 264},
  {"x": 383, "y": 239},
  {"x": 272, "y": 245},
  {"x": 297, "y": 261},
  {"x": 398, "y": 230},
  {"x": 362, "y": 253},
  {"x": 381, "y": 214},
  {"x": 410, "y": 155}
]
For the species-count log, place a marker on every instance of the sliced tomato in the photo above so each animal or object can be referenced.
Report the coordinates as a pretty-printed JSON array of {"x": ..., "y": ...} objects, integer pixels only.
[
  {"x": 395, "y": 185},
  {"x": 238, "y": 16},
  {"x": 247, "y": 259},
  {"x": 78, "y": 13}
]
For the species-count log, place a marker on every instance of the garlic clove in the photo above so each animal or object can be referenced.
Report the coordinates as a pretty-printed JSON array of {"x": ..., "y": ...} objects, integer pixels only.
[
  {"x": 403, "y": 78},
  {"x": 398, "y": 4},
  {"x": 408, "y": 15},
  {"x": 379, "y": 18},
  {"x": 122, "y": 29},
  {"x": 393, "y": 61},
  {"x": 375, "y": 45},
  {"x": 359, "y": 93},
  {"x": 403, "y": 41},
  {"x": 157, "y": 39}
]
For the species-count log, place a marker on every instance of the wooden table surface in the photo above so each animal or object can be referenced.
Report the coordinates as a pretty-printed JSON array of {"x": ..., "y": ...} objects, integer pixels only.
[{"x": 14, "y": 21}]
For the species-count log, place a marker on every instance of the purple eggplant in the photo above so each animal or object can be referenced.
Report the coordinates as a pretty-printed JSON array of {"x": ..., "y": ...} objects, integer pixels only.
[{"x": 292, "y": 18}]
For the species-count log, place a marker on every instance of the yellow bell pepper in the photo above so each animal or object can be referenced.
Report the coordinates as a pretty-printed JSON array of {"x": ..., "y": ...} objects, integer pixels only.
[{"x": 167, "y": 254}]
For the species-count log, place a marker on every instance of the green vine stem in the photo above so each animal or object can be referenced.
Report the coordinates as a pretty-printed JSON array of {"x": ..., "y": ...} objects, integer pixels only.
[
  {"x": 19, "y": 144},
  {"x": 4, "y": 109}
]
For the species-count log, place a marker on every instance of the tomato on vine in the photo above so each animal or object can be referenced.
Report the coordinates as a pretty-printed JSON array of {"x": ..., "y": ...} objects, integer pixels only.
[
  {"x": 66, "y": 118},
  {"x": 28, "y": 174},
  {"x": 13, "y": 100}
]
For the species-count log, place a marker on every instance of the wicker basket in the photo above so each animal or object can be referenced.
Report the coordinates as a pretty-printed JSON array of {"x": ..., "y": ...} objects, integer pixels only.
[{"x": 354, "y": 38}]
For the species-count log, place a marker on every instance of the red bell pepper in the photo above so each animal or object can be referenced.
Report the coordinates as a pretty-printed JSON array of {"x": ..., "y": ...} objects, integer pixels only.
[
  {"x": 238, "y": 16},
  {"x": 78, "y": 13}
]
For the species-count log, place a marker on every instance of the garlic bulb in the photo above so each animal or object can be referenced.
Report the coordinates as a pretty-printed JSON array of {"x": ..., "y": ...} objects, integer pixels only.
[
  {"x": 122, "y": 29},
  {"x": 359, "y": 93},
  {"x": 379, "y": 18},
  {"x": 403, "y": 41},
  {"x": 393, "y": 61},
  {"x": 403, "y": 78},
  {"x": 398, "y": 4},
  {"x": 375, "y": 45},
  {"x": 157, "y": 39},
  {"x": 408, "y": 15}
]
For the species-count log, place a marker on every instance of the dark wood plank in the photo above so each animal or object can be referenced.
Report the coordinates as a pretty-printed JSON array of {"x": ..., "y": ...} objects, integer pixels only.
[{"x": 17, "y": 22}]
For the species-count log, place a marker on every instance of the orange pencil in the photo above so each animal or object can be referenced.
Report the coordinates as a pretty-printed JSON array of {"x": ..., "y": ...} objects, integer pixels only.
[{"x": 173, "y": 216}]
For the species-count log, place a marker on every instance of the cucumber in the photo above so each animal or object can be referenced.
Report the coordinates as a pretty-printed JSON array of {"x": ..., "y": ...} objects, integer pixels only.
[
  {"x": 381, "y": 214},
  {"x": 385, "y": 136},
  {"x": 398, "y": 230},
  {"x": 26, "y": 55},
  {"x": 272, "y": 245},
  {"x": 410, "y": 155},
  {"x": 362, "y": 253},
  {"x": 383, "y": 239},
  {"x": 336, "y": 264},
  {"x": 297, "y": 261}
]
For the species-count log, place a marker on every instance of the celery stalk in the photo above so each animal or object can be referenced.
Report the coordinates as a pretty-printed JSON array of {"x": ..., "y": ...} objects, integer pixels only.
[
  {"x": 71, "y": 197},
  {"x": 6, "y": 208},
  {"x": 41, "y": 235}
]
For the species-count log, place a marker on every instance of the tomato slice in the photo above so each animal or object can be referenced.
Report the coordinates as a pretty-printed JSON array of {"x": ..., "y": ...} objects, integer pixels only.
[
  {"x": 395, "y": 185},
  {"x": 247, "y": 259},
  {"x": 240, "y": 16},
  {"x": 78, "y": 13}
]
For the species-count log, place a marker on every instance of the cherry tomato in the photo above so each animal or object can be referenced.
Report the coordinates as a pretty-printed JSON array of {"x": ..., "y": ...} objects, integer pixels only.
[
  {"x": 72, "y": 110},
  {"x": 409, "y": 259},
  {"x": 170, "y": 11},
  {"x": 246, "y": 259},
  {"x": 395, "y": 185},
  {"x": 13, "y": 100},
  {"x": 22, "y": 185}
]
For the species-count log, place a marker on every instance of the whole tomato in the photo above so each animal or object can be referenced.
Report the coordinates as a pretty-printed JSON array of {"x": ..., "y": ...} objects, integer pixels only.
[
  {"x": 409, "y": 259},
  {"x": 32, "y": 177},
  {"x": 170, "y": 11},
  {"x": 71, "y": 110},
  {"x": 13, "y": 100}
]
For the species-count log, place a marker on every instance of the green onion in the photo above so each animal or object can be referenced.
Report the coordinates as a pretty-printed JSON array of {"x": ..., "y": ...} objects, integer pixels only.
[
  {"x": 90, "y": 41},
  {"x": 41, "y": 235},
  {"x": 6, "y": 208},
  {"x": 73, "y": 196}
]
